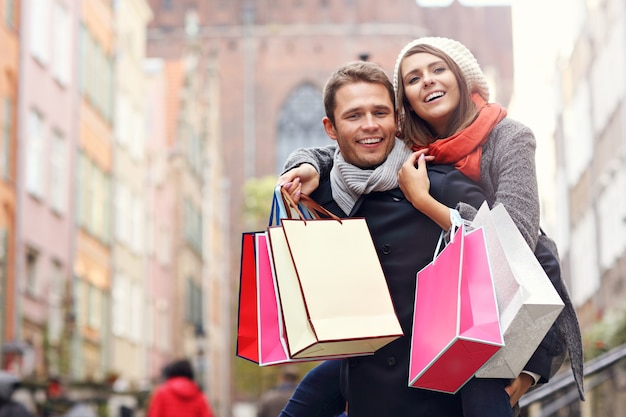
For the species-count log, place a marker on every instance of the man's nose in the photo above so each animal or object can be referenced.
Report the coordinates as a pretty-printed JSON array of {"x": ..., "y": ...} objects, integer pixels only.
[{"x": 370, "y": 122}]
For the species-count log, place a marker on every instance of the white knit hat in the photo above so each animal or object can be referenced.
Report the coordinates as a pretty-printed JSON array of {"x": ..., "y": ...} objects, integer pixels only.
[{"x": 474, "y": 76}]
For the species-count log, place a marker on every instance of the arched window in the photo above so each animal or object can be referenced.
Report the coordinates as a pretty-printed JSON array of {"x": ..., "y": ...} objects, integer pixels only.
[{"x": 300, "y": 123}]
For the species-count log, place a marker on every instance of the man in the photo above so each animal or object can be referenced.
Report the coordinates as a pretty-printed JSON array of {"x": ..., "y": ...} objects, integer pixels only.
[
  {"x": 273, "y": 400},
  {"x": 360, "y": 117}
]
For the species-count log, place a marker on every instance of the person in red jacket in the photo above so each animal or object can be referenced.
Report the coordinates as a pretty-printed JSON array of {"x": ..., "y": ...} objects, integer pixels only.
[{"x": 179, "y": 395}]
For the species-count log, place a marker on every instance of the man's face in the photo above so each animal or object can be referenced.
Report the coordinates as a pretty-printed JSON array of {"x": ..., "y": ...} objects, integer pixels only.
[{"x": 365, "y": 124}]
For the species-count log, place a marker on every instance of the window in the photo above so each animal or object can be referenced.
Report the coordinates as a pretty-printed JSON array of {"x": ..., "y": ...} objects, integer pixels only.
[
  {"x": 123, "y": 119},
  {"x": 138, "y": 218},
  {"x": 137, "y": 144},
  {"x": 612, "y": 218},
  {"x": 137, "y": 312},
  {"x": 121, "y": 306},
  {"x": 96, "y": 74},
  {"x": 55, "y": 301},
  {"x": 193, "y": 225},
  {"x": 97, "y": 181},
  {"x": 164, "y": 245},
  {"x": 577, "y": 126},
  {"x": 584, "y": 262},
  {"x": 4, "y": 257},
  {"x": 58, "y": 173},
  {"x": 164, "y": 335},
  {"x": 40, "y": 29},
  {"x": 95, "y": 306},
  {"x": 194, "y": 297},
  {"x": 9, "y": 13},
  {"x": 300, "y": 123},
  {"x": 62, "y": 44},
  {"x": 32, "y": 279},
  {"x": 35, "y": 154},
  {"x": 6, "y": 134}
]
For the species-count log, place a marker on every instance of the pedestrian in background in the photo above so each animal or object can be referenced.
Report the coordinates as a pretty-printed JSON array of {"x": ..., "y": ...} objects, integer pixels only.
[
  {"x": 273, "y": 400},
  {"x": 9, "y": 407},
  {"x": 179, "y": 395}
]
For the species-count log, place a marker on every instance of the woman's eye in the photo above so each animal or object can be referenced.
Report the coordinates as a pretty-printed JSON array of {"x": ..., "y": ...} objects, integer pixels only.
[
  {"x": 413, "y": 80},
  {"x": 439, "y": 70}
]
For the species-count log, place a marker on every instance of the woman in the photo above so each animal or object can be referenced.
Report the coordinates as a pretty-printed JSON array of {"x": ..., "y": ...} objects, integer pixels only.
[
  {"x": 442, "y": 103},
  {"x": 179, "y": 395}
]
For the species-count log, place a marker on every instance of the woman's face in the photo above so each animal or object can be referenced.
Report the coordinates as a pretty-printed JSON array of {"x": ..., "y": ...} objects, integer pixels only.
[{"x": 431, "y": 88}]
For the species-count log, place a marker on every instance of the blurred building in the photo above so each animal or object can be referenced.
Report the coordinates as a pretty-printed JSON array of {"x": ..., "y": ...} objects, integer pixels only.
[
  {"x": 9, "y": 86},
  {"x": 47, "y": 114},
  {"x": 571, "y": 87},
  {"x": 131, "y": 335},
  {"x": 111, "y": 207}
]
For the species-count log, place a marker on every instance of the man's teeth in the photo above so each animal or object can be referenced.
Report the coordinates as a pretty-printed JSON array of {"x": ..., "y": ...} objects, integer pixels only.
[
  {"x": 370, "y": 141},
  {"x": 434, "y": 95}
]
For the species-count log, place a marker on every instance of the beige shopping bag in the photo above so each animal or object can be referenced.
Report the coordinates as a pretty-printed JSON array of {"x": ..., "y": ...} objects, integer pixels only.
[
  {"x": 527, "y": 301},
  {"x": 333, "y": 293}
]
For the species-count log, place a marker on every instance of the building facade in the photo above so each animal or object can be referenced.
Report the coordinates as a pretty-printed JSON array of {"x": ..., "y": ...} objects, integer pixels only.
[
  {"x": 131, "y": 301},
  {"x": 46, "y": 135},
  {"x": 579, "y": 77},
  {"x": 9, "y": 85}
]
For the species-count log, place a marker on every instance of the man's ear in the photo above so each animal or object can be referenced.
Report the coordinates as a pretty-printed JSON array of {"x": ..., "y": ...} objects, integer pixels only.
[{"x": 329, "y": 128}]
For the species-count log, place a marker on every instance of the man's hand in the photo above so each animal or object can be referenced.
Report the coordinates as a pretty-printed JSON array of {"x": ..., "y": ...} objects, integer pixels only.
[
  {"x": 519, "y": 387},
  {"x": 304, "y": 179}
]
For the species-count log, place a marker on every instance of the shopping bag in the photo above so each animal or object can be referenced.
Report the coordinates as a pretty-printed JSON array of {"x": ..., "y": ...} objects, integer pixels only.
[
  {"x": 255, "y": 270},
  {"x": 272, "y": 349},
  {"x": 455, "y": 324},
  {"x": 247, "y": 323},
  {"x": 528, "y": 302},
  {"x": 260, "y": 329},
  {"x": 333, "y": 293}
]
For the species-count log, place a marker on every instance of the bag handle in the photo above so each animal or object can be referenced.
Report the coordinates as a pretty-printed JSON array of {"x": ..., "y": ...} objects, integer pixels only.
[
  {"x": 280, "y": 210},
  {"x": 313, "y": 206}
]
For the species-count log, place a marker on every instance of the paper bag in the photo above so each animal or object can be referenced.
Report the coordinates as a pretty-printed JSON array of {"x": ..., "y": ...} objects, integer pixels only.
[
  {"x": 333, "y": 293},
  {"x": 455, "y": 323},
  {"x": 247, "y": 322},
  {"x": 255, "y": 269},
  {"x": 528, "y": 302}
]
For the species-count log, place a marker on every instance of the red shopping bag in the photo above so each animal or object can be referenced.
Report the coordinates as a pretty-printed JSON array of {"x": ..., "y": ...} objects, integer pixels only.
[
  {"x": 456, "y": 325},
  {"x": 247, "y": 323}
]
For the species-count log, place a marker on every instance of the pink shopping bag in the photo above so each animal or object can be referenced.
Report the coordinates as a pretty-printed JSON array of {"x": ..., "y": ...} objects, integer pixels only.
[
  {"x": 456, "y": 325},
  {"x": 272, "y": 349}
]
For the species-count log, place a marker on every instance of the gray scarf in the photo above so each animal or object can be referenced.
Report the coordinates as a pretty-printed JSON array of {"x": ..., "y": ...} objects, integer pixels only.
[{"x": 349, "y": 182}]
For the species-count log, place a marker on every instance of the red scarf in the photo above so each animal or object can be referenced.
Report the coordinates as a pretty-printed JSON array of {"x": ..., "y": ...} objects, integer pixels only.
[{"x": 464, "y": 149}]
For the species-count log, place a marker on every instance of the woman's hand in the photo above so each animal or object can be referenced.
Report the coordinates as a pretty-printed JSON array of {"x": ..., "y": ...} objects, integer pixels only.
[
  {"x": 415, "y": 185},
  {"x": 413, "y": 179},
  {"x": 519, "y": 386},
  {"x": 301, "y": 180}
]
